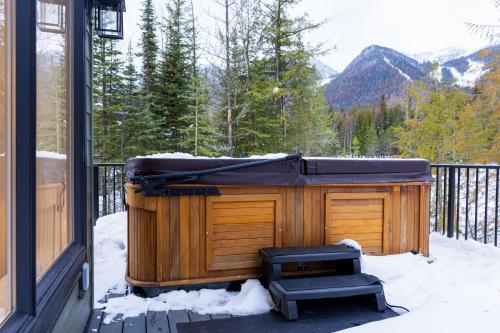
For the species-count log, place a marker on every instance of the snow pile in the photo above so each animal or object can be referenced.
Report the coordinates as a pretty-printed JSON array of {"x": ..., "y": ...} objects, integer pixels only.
[
  {"x": 189, "y": 156},
  {"x": 110, "y": 262},
  {"x": 252, "y": 299},
  {"x": 110, "y": 255},
  {"x": 456, "y": 289}
]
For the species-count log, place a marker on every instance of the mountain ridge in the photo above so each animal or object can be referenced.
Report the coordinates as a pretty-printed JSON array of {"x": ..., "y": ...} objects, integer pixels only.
[{"x": 381, "y": 71}]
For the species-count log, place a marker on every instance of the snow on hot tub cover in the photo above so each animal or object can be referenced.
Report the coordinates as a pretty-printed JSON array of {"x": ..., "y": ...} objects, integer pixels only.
[{"x": 304, "y": 171}]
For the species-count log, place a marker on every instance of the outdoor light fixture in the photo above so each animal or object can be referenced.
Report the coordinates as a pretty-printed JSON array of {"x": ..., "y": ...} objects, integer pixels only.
[
  {"x": 109, "y": 18},
  {"x": 52, "y": 16}
]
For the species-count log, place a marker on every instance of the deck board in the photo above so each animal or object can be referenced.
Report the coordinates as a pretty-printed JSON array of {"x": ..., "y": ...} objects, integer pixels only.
[
  {"x": 135, "y": 324},
  {"x": 157, "y": 322},
  {"x": 162, "y": 322},
  {"x": 176, "y": 317}
]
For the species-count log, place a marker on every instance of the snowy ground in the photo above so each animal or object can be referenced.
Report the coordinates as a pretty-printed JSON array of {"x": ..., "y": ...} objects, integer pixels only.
[{"x": 456, "y": 289}]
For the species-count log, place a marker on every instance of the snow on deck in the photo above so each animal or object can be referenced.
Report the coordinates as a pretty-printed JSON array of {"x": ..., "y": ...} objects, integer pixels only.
[{"x": 456, "y": 289}]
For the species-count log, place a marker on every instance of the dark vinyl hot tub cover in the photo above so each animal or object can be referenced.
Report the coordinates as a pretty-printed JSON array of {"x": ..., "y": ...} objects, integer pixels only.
[{"x": 298, "y": 171}]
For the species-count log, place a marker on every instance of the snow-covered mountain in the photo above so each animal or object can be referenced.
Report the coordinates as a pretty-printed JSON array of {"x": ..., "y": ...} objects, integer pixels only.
[
  {"x": 326, "y": 73},
  {"x": 381, "y": 71},
  {"x": 441, "y": 56},
  {"x": 375, "y": 72},
  {"x": 465, "y": 71}
]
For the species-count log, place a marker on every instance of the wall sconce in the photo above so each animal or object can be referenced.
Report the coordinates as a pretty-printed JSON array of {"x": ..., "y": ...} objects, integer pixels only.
[{"x": 109, "y": 18}]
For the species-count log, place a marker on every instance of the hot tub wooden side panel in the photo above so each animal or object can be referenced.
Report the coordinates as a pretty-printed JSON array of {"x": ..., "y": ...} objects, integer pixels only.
[
  {"x": 169, "y": 235},
  {"x": 171, "y": 239}
]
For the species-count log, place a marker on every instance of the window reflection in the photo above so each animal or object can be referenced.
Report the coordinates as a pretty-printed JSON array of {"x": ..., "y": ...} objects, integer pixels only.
[
  {"x": 5, "y": 232},
  {"x": 53, "y": 218}
]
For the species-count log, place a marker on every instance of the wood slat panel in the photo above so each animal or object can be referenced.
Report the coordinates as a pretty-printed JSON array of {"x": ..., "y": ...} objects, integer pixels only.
[
  {"x": 242, "y": 227},
  {"x": 194, "y": 234},
  {"x": 262, "y": 242},
  {"x": 358, "y": 208},
  {"x": 373, "y": 249},
  {"x": 238, "y": 250},
  {"x": 358, "y": 215},
  {"x": 356, "y": 202},
  {"x": 243, "y": 211},
  {"x": 356, "y": 223},
  {"x": 244, "y": 204},
  {"x": 243, "y": 234},
  {"x": 363, "y": 242},
  {"x": 174, "y": 238},
  {"x": 237, "y": 257},
  {"x": 243, "y": 219},
  {"x": 356, "y": 230},
  {"x": 359, "y": 236},
  {"x": 184, "y": 237},
  {"x": 236, "y": 265}
]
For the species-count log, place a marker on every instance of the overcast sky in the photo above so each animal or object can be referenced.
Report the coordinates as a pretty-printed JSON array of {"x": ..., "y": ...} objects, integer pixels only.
[{"x": 409, "y": 26}]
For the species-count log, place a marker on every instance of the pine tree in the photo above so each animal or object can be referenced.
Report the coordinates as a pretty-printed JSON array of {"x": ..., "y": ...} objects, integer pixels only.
[
  {"x": 141, "y": 128},
  {"x": 149, "y": 47},
  {"x": 175, "y": 74},
  {"x": 107, "y": 94}
]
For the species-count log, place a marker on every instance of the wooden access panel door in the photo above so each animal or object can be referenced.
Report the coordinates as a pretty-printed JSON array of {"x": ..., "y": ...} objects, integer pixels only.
[
  {"x": 363, "y": 217},
  {"x": 238, "y": 226}
]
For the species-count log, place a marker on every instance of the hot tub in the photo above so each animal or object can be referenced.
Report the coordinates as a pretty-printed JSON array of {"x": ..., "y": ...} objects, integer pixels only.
[{"x": 203, "y": 228}]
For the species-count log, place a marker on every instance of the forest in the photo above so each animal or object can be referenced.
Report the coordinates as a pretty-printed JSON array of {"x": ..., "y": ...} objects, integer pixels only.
[{"x": 259, "y": 93}]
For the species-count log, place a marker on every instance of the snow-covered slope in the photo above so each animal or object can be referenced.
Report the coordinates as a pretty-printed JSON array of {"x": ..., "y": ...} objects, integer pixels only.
[
  {"x": 375, "y": 72},
  {"x": 467, "y": 70},
  {"x": 325, "y": 72}
]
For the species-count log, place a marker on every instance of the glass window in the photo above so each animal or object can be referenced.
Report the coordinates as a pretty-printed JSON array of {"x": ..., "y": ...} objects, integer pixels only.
[
  {"x": 5, "y": 158},
  {"x": 54, "y": 132}
]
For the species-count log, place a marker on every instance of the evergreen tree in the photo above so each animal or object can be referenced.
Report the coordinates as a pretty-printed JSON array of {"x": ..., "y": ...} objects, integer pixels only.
[
  {"x": 149, "y": 47},
  {"x": 108, "y": 86},
  {"x": 141, "y": 128},
  {"x": 175, "y": 74}
]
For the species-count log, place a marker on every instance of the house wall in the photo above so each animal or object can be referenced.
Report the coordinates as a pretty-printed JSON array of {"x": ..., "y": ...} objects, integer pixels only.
[{"x": 78, "y": 309}]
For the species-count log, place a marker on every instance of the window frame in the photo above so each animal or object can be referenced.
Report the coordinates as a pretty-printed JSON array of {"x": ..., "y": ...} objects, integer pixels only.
[{"x": 37, "y": 307}]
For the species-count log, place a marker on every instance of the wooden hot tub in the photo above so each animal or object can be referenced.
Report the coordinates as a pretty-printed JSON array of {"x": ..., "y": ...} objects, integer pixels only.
[{"x": 180, "y": 238}]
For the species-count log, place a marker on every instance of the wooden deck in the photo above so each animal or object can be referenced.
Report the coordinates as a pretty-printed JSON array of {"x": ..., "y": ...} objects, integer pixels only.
[{"x": 153, "y": 321}]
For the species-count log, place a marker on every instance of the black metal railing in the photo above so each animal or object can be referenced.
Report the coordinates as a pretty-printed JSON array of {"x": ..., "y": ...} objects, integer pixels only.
[
  {"x": 464, "y": 201},
  {"x": 464, "y": 198},
  {"x": 109, "y": 195}
]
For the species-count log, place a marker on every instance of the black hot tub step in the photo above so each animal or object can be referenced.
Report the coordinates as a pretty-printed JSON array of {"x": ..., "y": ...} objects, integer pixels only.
[
  {"x": 308, "y": 253},
  {"x": 287, "y": 292},
  {"x": 274, "y": 257}
]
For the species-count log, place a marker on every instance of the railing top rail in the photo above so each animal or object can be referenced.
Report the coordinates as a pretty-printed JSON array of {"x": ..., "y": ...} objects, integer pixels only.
[{"x": 470, "y": 166}]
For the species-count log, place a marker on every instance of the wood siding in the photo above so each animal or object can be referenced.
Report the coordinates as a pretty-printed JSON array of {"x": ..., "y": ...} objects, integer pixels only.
[{"x": 198, "y": 239}]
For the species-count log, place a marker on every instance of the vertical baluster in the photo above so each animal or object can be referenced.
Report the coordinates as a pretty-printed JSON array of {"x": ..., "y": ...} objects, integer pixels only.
[
  {"x": 436, "y": 210},
  {"x": 485, "y": 236},
  {"x": 105, "y": 194},
  {"x": 114, "y": 189},
  {"x": 451, "y": 201},
  {"x": 467, "y": 204},
  {"x": 95, "y": 198},
  {"x": 122, "y": 189},
  {"x": 475, "y": 210},
  {"x": 446, "y": 173},
  {"x": 458, "y": 202},
  {"x": 496, "y": 209}
]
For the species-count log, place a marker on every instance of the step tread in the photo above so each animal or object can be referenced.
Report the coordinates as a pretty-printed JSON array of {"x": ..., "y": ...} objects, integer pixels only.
[
  {"x": 328, "y": 282},
  {"x": 308, "y": 253}
]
